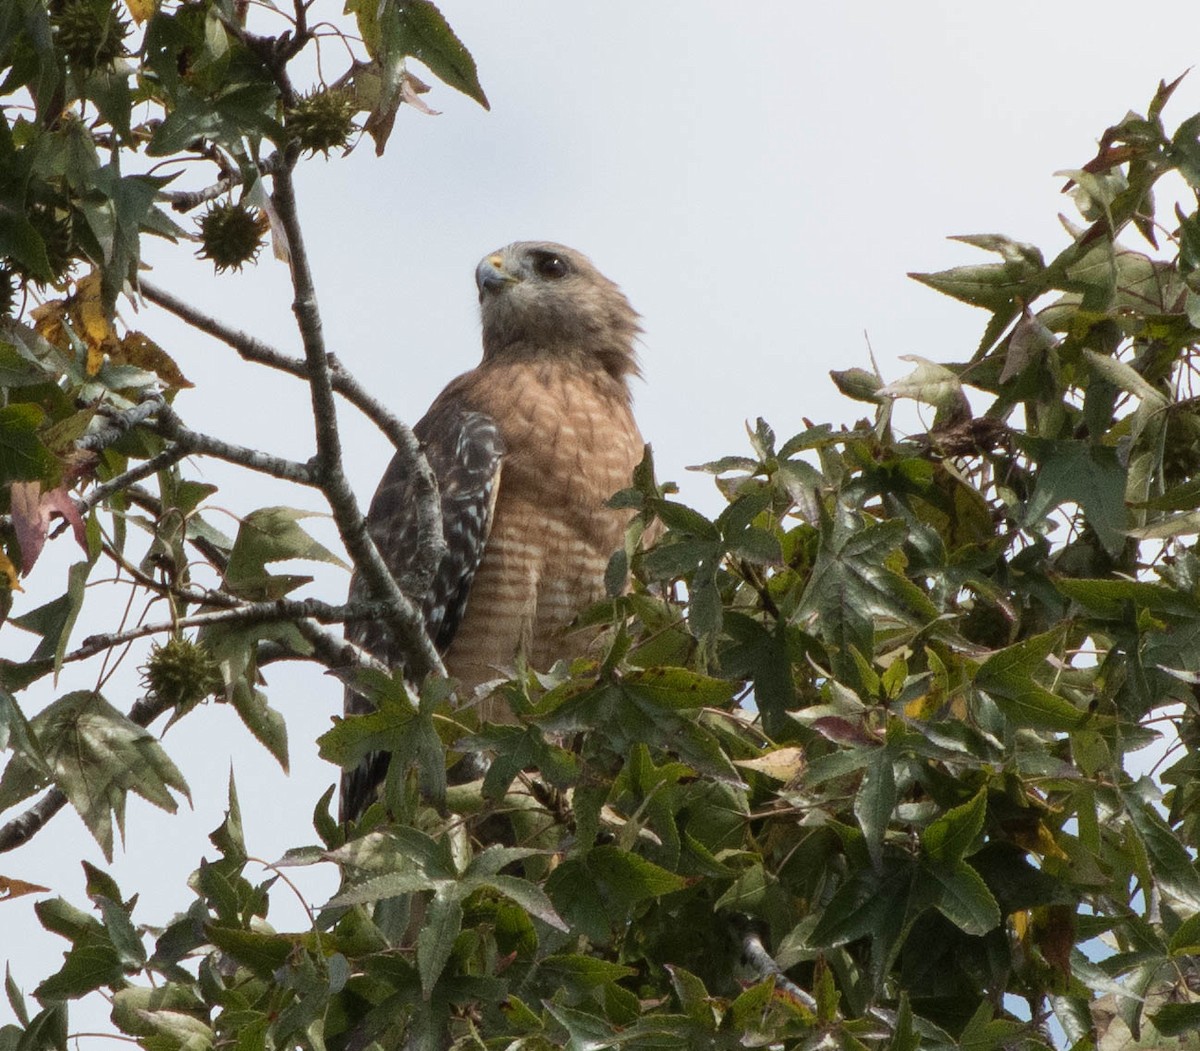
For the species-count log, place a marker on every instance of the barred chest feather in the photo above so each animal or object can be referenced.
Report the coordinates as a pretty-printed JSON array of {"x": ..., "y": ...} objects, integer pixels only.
[{"x": 571, "y": 442}]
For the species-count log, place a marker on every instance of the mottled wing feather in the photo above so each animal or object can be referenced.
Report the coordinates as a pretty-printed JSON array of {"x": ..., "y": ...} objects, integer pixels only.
[{"x": 465, "y": 450}]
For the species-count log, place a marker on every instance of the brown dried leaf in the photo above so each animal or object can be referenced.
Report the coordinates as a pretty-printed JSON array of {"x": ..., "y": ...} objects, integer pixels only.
[
  {"x": 411, "y": 90},
  {"x": 15, "y": 888},
  {"x": 139, "y": 349}
]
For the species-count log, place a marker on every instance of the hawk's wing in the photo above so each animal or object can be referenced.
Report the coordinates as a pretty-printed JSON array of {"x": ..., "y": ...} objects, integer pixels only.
[{"x": 465, "y": 450}]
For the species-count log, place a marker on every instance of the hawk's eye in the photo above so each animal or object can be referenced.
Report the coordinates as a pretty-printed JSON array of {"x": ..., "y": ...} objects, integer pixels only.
[{"x": 552, "y": 266}]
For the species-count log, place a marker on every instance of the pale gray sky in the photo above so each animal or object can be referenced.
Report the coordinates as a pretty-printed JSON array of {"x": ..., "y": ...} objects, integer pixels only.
[{"x": 758, "y": 177}]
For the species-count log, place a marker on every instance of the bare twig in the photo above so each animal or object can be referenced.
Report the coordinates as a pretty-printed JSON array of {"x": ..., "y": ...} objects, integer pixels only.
[
  {"x": 98, "y": 494},
  {"x": 186, "y": 200},
  {"x": 170, "y": 426},
  {"x": 406, "y": 620}
]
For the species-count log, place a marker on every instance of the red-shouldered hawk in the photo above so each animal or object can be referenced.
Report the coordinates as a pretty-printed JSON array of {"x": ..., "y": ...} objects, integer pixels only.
[{"x": 527, "y": 449}]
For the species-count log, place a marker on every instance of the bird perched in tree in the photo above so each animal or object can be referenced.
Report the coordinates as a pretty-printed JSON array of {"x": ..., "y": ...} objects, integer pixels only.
[{"x": 527, "y": 448}]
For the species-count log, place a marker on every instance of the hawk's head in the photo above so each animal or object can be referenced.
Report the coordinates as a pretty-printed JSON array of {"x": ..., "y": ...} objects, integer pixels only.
[{"x": 538, "y": 297}]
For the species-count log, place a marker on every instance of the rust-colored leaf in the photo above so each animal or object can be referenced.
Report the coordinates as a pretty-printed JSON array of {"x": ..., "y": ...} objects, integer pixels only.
[{"x": 31, "y": 513}]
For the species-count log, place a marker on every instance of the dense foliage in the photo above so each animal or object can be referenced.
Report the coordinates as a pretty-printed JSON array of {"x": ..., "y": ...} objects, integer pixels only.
[{"x": 859, "y": 763}]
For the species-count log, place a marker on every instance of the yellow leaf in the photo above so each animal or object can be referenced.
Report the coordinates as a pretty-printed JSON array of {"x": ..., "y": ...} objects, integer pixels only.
[
  {"x": 783, "y": 764},
  {"x": 14, "y": 888},
  {"x": 141, "y": 9},
  {"x": 92, "y": 321},
  {"x": 8, "y": 575},
  {"x": 1022, "y": 920},
  {"x": 924, "y": 706},
  {"x": 48, "y": 320}
]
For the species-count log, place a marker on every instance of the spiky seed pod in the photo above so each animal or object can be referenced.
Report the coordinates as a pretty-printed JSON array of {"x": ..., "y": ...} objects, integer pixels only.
[
  {"x": 180, "y": 673},
  {"x": 322, "y": 121},
  {"x": 230, "y": 235},
  {"x": 90, "y": 33}
]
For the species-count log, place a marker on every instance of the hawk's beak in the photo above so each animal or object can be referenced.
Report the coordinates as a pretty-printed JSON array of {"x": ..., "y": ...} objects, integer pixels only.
[{"x": 490, "y": 275}]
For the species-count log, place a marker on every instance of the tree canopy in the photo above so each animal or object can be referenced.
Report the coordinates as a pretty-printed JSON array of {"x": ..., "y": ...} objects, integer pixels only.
[{"x": 857, "y": 763}]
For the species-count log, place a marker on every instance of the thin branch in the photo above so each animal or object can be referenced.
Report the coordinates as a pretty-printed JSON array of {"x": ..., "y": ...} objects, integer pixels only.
[
  {"x": 170, "y": 426},
  {"x": 22, "y": 828},
  {"x": 328, "y": 649},
  {"x": 118, "y": 423},
  {"x": 147, "y": 501},
  {"x": 247, "y": 613},
  {"x": 763, "y": 963},
  {"x": 170, "y": 455},
  {"x": 406, "y": 621},
  {"x": 248, "y": 347},
  {"x": 186, "y": 200},
  {"x": 431, "y": 545}
]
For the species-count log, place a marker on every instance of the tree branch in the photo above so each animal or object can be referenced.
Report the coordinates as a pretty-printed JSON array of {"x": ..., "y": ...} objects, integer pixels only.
[
  {"x": 170, "y": 426},
  {"x": 98, "y": 494},
  {"x": 119, "y": 422},
  {"x": 247, "y": 613},
  {"x": 406, "y": 620},
  {"x": 328, "y": 649},
  {"x": 186, "y": 200},
  {"x": 431, "y": 545}
]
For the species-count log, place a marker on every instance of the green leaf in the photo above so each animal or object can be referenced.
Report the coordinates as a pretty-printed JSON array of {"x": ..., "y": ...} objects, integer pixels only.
[
  {"x": 426, "y": 35},
  {"x": 23, "y": 457},
  {"x": 875, "y": 801},
  {"x": 629, "y": 878},
  {"x": 1177, "y": 1019},
  {"x": 133, "y": 1003},
  {"x": 228, "y": 837},
  {"x": 266, "y": 724},
  {"x": 98, "y": 756},
  {"x": 1172, "y": 865},
  {"x": 1108, "y": 598},
  {"x": 529, "y": 896},
  {"x": 948, "y": 837},
  {"x": 394, "y": 725},
  {"x": 15, "y": 1000},
  {"x": 441, "y": 925},
  {"x": 271, "y": 534},
  {"x": 262, "y": 953},
  {"x": 1008, "y": 677},
  {"x": 1077, "y": 472},
  {"x": 678, "y": 689},
  {"x": 964, "y": 898},
  {"x": 89, "y": 965}
]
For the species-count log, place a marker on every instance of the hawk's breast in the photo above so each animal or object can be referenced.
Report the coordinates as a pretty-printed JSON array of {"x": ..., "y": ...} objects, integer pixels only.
[{"x": 571, "y": 443}]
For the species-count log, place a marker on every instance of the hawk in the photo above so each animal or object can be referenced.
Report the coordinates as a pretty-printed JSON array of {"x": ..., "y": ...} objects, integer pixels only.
[{"x": 527, "y": 448}]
